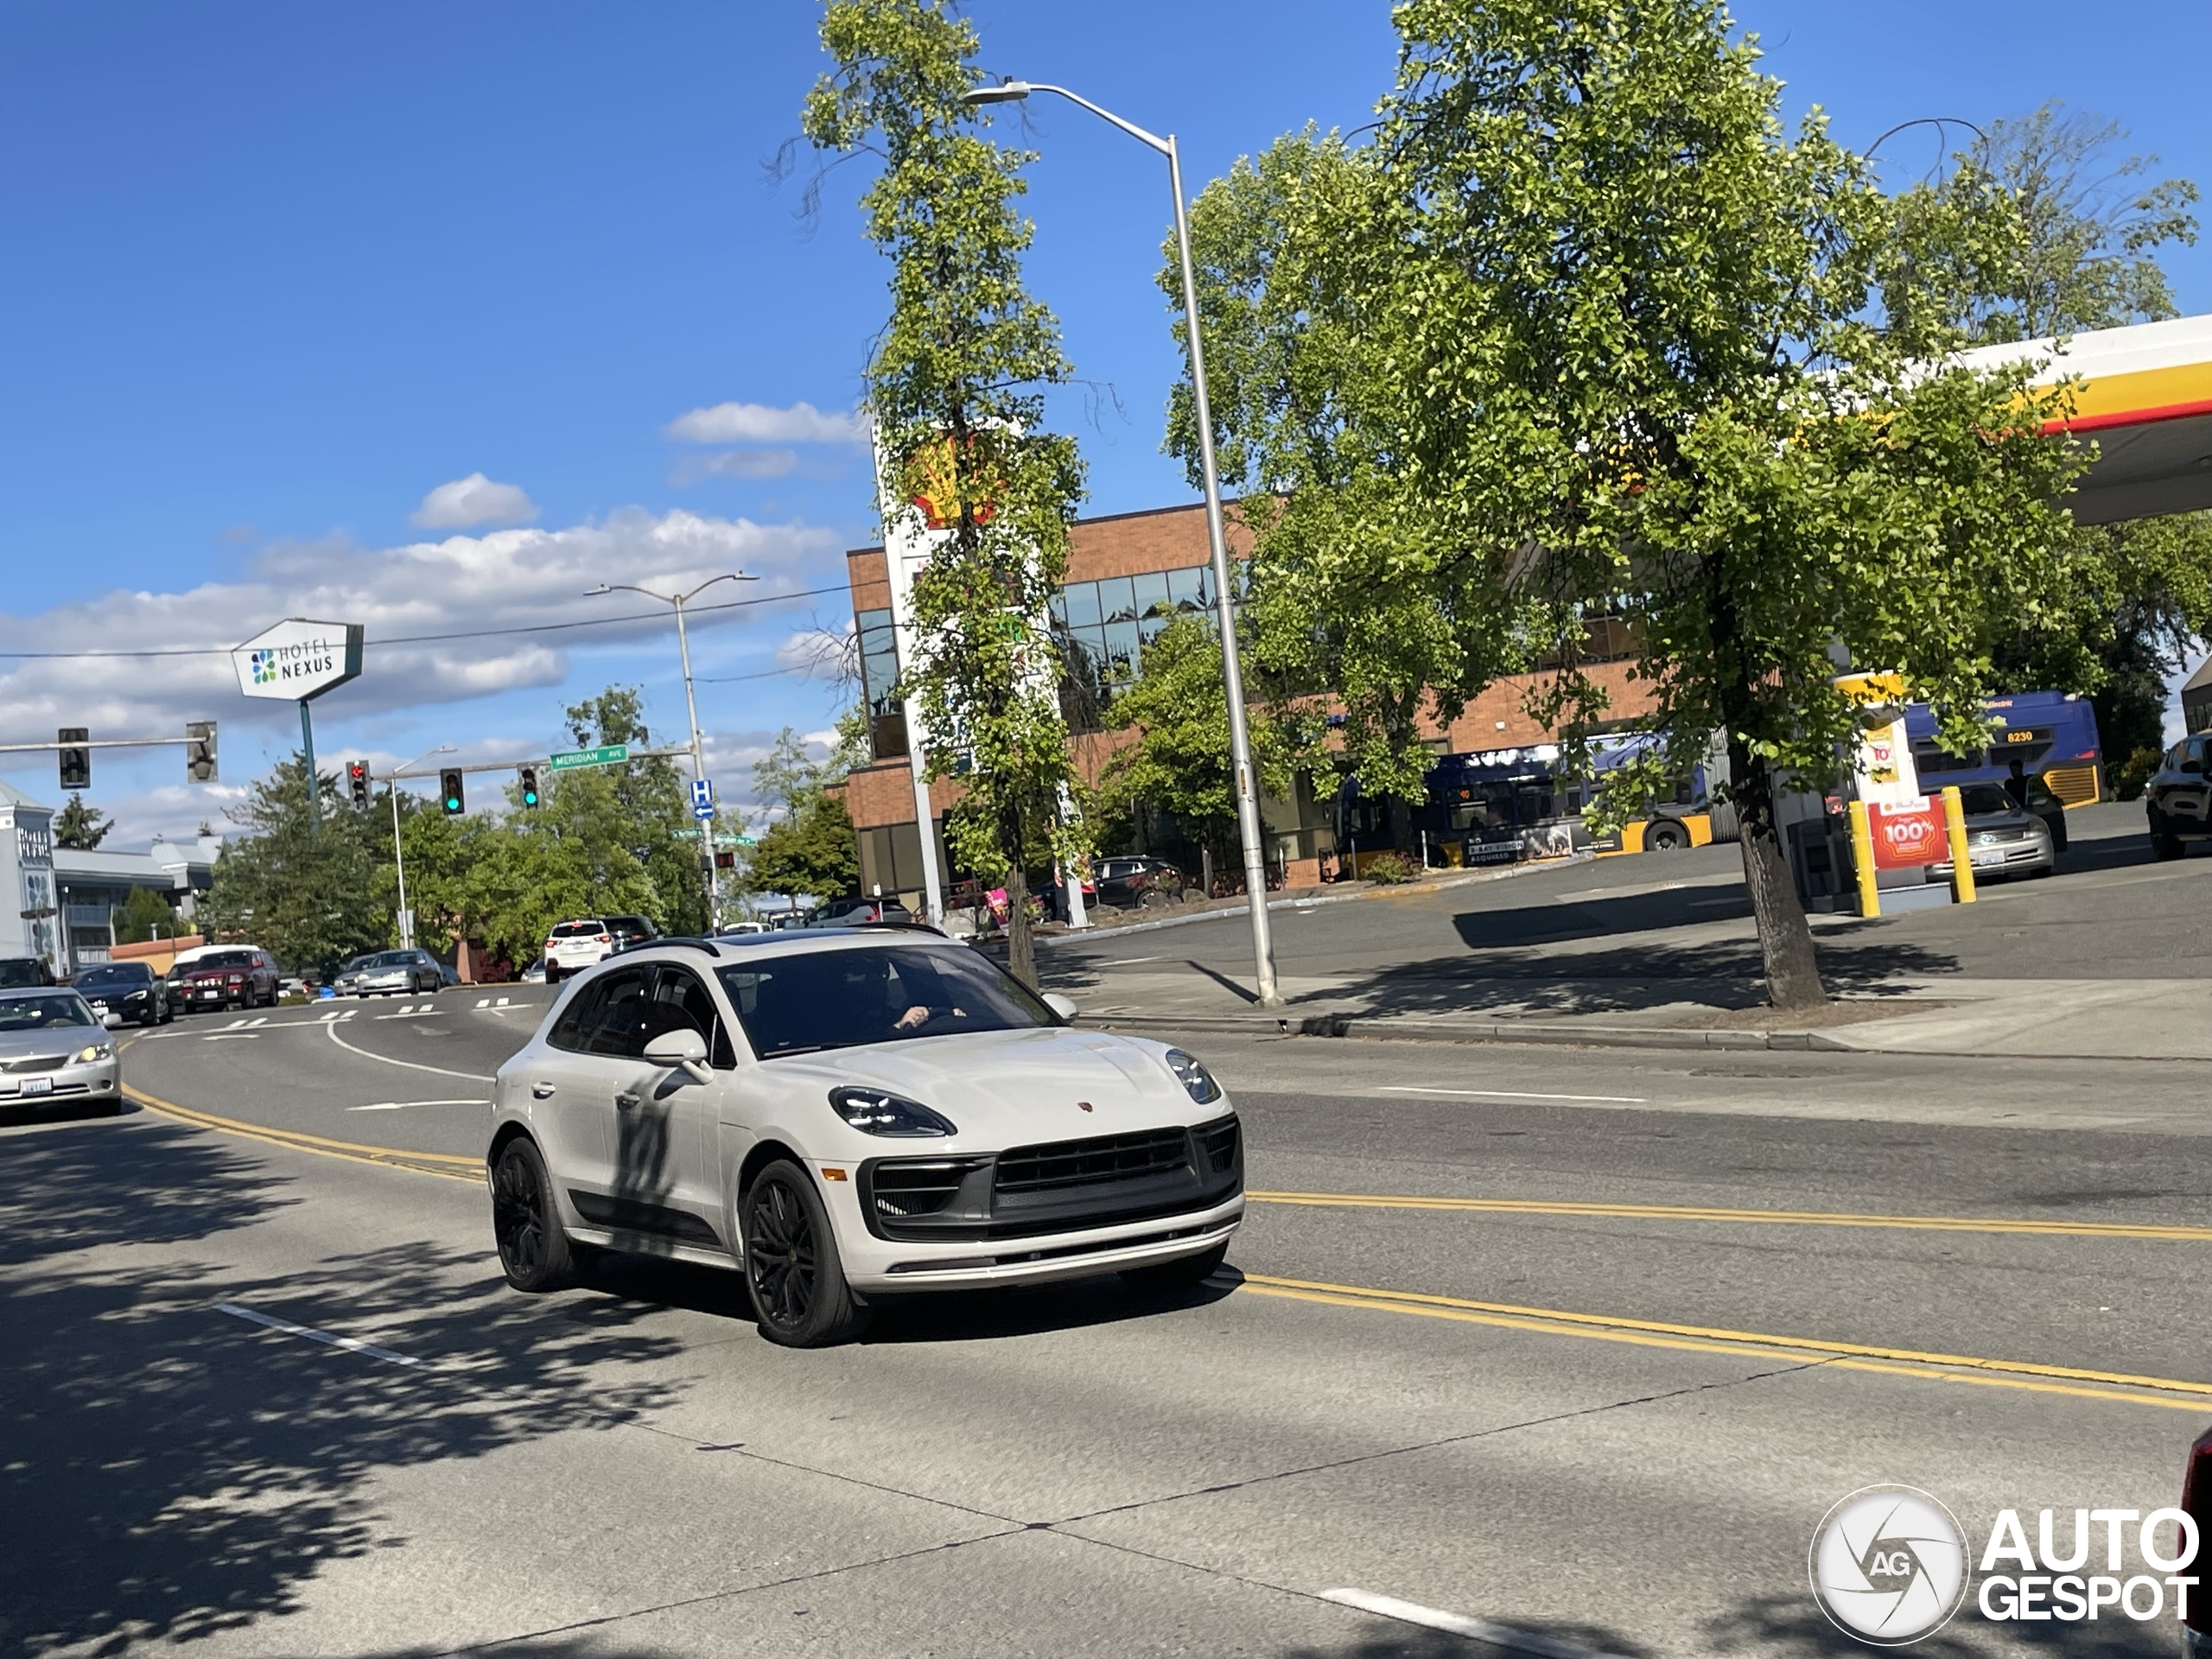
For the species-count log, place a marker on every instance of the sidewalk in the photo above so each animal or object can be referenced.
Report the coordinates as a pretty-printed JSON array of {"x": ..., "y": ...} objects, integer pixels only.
[{"x": 2047, "y": 1019}]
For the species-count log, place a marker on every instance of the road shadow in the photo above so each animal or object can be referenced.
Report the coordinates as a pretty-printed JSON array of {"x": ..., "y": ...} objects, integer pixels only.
[
  {"x": 171, "y": 1471},
  {"x": 1387, "y": 1639},
  {"x": 1632, "y": 977},
  {"x": 1793, "y": 1625}
]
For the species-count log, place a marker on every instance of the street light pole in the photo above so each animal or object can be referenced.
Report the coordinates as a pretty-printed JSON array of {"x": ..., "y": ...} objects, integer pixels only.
[
  {"x": 1239, "y": 741},
  {"x": 691, "y": 710},
  {"x": 398, "y": 856}
]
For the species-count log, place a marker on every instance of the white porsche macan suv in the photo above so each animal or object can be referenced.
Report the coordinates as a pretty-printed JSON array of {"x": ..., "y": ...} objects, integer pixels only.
[{"x": 849, "y": 1115}]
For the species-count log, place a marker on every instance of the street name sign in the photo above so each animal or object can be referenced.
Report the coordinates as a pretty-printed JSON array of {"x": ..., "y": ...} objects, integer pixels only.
[{"x": 609, "y": 754}]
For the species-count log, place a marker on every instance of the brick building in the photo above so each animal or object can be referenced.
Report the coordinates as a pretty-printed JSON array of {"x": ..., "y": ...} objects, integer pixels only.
[{"x": 1128, "y": 576}]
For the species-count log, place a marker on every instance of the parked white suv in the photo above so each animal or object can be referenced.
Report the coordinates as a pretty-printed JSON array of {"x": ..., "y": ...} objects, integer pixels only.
[
  {"x": 570, "y": 947},
  {"x": 848, "y": 1116}
]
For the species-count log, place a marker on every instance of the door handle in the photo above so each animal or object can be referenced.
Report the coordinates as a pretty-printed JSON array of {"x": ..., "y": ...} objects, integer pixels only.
[
  {"x": 540, "y": 1090},
  {"x": 625, "y": 1101}
]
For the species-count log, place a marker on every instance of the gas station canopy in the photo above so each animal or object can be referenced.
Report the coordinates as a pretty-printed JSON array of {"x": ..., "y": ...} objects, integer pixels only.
[{"x": 2145, "y": 395}]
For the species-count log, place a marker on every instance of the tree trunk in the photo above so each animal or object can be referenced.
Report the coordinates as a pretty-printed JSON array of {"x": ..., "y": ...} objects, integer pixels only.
[
  {"x": 1021, "y": 945},
  {"x": 1793, "y": 975}
]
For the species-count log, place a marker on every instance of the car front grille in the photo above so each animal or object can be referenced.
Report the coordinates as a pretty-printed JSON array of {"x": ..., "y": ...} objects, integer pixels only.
[
  {"x": 904, "y": 1189},
  {"x": 37, "y": 1063},
  {"x": 1058, "y": 1165},
  {"x": 1217, "y": 1144}
]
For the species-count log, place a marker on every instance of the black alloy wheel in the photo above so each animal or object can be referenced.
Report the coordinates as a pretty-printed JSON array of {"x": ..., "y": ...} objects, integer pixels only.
[
  {"x": 799, "y": 1294},
  {"x": 534, "y": 1252}
]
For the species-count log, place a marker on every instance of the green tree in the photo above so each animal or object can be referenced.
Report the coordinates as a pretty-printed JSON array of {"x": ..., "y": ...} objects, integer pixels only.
[
  {"x": 1627, "y": 347},
  {"x": 809, "y": 850},
  {"x": 1179, "y": 759},
  {"x": 954, "y": 386},
  {"x": 312, "y": 895},
  {"x": 80, "y": 828},
  {"x": 143, "y": 914},
  {"x": 2088, "y": 224}
]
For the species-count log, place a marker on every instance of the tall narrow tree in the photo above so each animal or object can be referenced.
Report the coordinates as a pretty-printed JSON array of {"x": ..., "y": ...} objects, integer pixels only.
[{"x": 955, "y": 390}]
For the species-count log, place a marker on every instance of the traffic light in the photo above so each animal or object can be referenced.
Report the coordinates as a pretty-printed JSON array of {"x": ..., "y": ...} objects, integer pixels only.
[
  {"x": 76, "y": 763},
  {"x": 357, "y": 782},
  {"x": 450, "y": 791},
  {"x": 530, "y": 786},
  {"x": 725, "y": 860},
  {"x": 200, "y": 751}
]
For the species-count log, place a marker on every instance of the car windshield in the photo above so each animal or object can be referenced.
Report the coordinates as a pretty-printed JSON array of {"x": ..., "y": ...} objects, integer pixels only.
[
  {"x": 21, "y": 971},
  {"x": 226, "y": 959},
  {"x": 44, "y": 1013},
  {"x": 815, "y": 1000},
  {"x": 1978, "y": 799},
  {"x": 135, "y": 973},
  {"x": 391, "y": 959}
]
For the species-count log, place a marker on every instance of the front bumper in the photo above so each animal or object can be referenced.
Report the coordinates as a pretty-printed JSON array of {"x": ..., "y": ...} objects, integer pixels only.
[
  {"x": 68, "y": 1084},
  {"x": 879, "y": 1266},
  {"x": 212, "y": 996},
  {"x": 2005, "y": 858}
]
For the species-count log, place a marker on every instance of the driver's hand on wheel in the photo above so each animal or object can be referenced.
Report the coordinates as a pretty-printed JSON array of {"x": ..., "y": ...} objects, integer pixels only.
[{"x": 913, "y": 1019}]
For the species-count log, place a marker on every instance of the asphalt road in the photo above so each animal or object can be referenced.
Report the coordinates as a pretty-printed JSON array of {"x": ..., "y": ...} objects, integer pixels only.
[{"x": 1581, "y": 1343}]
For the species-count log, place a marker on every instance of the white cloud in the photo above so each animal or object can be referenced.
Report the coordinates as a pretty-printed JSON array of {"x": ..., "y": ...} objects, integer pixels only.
[
  {"x": 734, "y": 463},
  {"x": 758, "y": 423},
  {"x": 464, "y": 586},
  {"x": 475, "y": 500}
]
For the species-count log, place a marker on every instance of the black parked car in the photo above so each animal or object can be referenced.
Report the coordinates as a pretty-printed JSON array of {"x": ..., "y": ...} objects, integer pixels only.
[
  {"x": 2178, "y": 798},
  {"x": 129, "y": 990},
  {"x": 1131, "y": 880}
]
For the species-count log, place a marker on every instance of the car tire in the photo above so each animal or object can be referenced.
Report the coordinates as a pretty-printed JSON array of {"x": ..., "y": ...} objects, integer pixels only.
[
  {"x": 2164, "y": 846},
  {"x": 552, "y": 975},
  {"x": 1181, "y": 1274},
  {"x": 534, "y": 1252},
  {"x": 1664, "y": 836},
  {"x": 800, "y": 1298}
]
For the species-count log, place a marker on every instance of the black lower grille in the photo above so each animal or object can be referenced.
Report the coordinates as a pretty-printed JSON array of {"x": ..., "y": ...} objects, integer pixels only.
[
  {"x": 904, "y": 1189},
  {"x": 1061, "y": 1164},
  {"x": 1217, "y": 1144}
]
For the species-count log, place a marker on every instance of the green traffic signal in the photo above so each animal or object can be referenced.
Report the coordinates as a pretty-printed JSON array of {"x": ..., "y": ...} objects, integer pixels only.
[
  {"x": 449, "y": 781},
  {"x": 529, "y": 786}
]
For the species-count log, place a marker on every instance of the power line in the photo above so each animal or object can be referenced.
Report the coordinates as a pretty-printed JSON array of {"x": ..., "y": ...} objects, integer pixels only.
[{"x": 426, "y": 638}]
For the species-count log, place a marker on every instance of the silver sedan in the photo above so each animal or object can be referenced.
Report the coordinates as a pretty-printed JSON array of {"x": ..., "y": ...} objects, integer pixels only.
[
  {"x": 54, "y": 1052},
  {"x": 2002, "y": 837}
]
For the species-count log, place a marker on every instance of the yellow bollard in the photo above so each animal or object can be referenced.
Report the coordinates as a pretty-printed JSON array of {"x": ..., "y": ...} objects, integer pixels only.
[
  {"x": 1862, "y": 858},
  {"x": 1955, "y": 822}
]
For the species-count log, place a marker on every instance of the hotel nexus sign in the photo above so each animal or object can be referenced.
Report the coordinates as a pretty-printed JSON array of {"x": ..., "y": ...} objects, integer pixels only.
[{"x": 298, "y": 659}]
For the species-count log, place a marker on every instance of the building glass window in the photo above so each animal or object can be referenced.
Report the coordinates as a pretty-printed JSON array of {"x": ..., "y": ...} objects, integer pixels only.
[
  {"x": 1082, "y": 598},
  {"x": 1191, "y": 590},
  {"x": 1151, "y": 593},
  {"x": 1117, "y": 598}
]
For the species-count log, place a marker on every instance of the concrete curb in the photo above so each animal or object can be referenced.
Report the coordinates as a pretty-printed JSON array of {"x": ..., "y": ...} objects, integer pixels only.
[
  {"x": 1504, "y": 1030},
  {"x": 1115, "y": 929}
]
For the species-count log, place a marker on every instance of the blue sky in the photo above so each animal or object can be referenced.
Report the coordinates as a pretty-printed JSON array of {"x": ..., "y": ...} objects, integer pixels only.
[{"x": 277, "y": 274}]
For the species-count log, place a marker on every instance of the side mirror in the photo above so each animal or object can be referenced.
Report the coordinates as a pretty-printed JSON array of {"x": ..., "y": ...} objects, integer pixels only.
[
  {"x": 685, "y": 1049},
  {"x": 1063, "y": 1005}
]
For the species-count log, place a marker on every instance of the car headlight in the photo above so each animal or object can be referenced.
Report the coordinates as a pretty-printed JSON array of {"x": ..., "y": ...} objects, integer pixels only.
[
  {"x": 1196, "y": 1081},
  {"x": 874, "y": 1112},
  {"x": 90, "y": 1052}
]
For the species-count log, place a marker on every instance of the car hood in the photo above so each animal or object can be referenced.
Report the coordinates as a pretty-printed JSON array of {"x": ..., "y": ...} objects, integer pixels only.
[
  {"x": 45, "y": 1045},
  {"x": 2015, "y": 819},
  {"x": 1011, "y": 1088}
]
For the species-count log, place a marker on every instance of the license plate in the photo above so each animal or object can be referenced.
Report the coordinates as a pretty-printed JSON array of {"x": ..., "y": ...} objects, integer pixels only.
[
  {"x": 210, "y": 996},
  {"x": 99, "y": 1008},
  {"x": 38, "y": 1085},
  {"x": 1994, "y": 856}
]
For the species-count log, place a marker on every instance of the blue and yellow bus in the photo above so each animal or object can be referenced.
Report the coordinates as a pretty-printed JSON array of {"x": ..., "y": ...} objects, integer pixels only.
[{"x": 2053, "y": 734}]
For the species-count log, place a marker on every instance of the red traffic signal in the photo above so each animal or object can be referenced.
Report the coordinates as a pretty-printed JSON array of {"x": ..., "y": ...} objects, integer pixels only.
[{"x": 357, "y": 782}]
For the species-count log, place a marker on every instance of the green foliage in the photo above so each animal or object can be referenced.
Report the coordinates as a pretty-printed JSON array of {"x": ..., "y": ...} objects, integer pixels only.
[
  {"x": 2133, "y": 773},
  {"x": 1389, "y": 869},
  {"x": 811, "y": 851},
  {"x": 954, "y": 386},
  {"x": 80, "y": 828},
  {"x": 1590, "y": 328},
  {"x": 1178, "y": 761},
  {"x": 312, "y": 896},
  {"x": 143, "y": 915}
]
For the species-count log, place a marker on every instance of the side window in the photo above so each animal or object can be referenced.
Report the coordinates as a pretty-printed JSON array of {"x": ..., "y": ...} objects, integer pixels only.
[
  {"x": 620, "y": 1030},
  {"x": 573, "y": 1030},
  {"x": 681, "y": 1002}
]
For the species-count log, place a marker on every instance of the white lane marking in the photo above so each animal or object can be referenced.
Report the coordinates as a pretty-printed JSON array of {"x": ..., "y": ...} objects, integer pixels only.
[
  {"x": 412, "y": 1065},
  {"x": 220, "y": 1036},
  {"x": 1482, "y": 1630},
  {"x": 234, "y": 1025},
  {"x": 1515, "y": 1094},
  {"x": 259, "y": 1020},
  {"x": 483, "y": 1002},
  {"x": 1126, "y": 961},
  {"x": 503, "y": 1002},
  {"x": 352, "y": 1345},
  {"x": 402, "y": 1105}
]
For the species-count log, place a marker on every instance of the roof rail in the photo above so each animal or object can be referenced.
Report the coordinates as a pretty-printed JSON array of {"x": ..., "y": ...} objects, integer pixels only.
[{"x": 685, "y": 940}]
